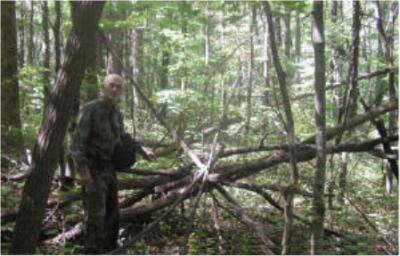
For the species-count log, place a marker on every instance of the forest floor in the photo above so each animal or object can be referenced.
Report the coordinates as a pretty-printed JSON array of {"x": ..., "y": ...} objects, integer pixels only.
[{"x": 168, "y": 236}]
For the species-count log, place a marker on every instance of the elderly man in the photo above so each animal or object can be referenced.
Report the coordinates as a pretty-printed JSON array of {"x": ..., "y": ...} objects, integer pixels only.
[{"x": 98, "y": 131}]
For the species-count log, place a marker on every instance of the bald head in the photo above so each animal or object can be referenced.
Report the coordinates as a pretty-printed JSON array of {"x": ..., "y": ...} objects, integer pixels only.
[
  {"x": 112, "y": 88},
  {"x": 112, "y": 78}
]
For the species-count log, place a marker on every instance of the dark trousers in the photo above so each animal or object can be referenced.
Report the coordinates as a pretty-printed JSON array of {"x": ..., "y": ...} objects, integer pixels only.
[{"x": 101, "y": 219}]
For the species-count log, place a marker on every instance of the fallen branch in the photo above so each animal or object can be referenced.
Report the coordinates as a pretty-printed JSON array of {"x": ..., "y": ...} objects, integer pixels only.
[
  {"x": 268, "y": 246},
  {"x": 70, "y": 234},
  {"x": 380, "y": 126},
  {"x": 336, "y": 85},
  {"x": 17, "y": 177},
  {"x": 275, "y": 204},
  {"x": 371, "y": 225},
  {"x": 238, "y": 171}
]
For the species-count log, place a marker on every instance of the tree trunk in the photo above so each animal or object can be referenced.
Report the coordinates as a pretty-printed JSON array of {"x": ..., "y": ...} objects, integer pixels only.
[
  {"x": 11, "y": 141},
  {"x": 297, "y": 47},
  {"x": 31, "y": 46},
  {"x": 253, "y": 24},
  {"x": 288, "y": 33},
  {"x": 138, "y": 69},
  {"x": 266, "y": 68},
  {"x": 278, "y": 32},
  {"x": 350, "y": 108},
  {"x": 21, "y": 36},
  {"x": 290, "y": 132},
  {"x": 56, "y": 31},
  {"x": 318, "y": 208},
  {"x": 85, "y": 16},
  {"x": 342, "y": 177},
  {"x": 335, "y": 77},
  {"x": 389, "y": 60},
  {"x": 46, "y": 60},
  {"x": 298, "y": 37}
]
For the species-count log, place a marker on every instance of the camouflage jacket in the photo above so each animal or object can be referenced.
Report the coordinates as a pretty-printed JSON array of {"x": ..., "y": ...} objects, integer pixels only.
[{"x": 99, "y": 128}]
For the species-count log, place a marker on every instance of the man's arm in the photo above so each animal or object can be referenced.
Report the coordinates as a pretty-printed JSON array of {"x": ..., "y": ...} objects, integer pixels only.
[
  {"x": 78, "y": 148},
  {"x": 139, "y": 147}
]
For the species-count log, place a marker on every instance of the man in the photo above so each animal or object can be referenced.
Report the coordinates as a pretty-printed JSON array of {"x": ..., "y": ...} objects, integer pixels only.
[{"x": 98, "y": 131}]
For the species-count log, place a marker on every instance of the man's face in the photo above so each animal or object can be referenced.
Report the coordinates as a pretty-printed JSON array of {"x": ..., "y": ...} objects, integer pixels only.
[{"x": 112, "y": 90}]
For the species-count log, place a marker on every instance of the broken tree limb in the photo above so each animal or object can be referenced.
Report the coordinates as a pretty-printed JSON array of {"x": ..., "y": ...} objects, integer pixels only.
[
  {"x": 70, "y": 234},
  {"x": 330, "y": 132},
  {"x": 380, "y": 126},
  {"x": 268, "y": 247},
  {"x": 275, "y": 204},
  {"x": 182, "y": 195},
  {"x": 158, "y": 172},
  {"x": 217, "y": 226},
  {"x": 357, "y": 120},
  {"x": 371, "y": 225},
  {"x": 359, "y": 78},
  {"x": 238, "y": 171},
  {"x": 212, "y": 158}
]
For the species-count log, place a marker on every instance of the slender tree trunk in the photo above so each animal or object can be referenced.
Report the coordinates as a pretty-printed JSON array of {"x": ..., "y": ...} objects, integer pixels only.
[
  {"x": 11, "y": 134},
  {"x": 297, "y": 49},
  {"x": 21, "y": 36},
  {"x": 31, "y": 46},
  {"x": 278, "y": 30},
  {"x": 206, "y": 36},
  {"x": 251, "y": 65},
  {"x": 46, "y": 60},
  {"x": 342, "y": 177},
  {"x": 389, "y": 60},
  {"x": 85, "y": 16},
  {"x": 56, "y": 31},
  {"x": 138, "y": 69},
  {"x": 335, "y": 77},
  {"x": 290, "y": 133},
  {"x": 386, "y": 39},
  {"x": 288, "y": 33},
  {"x": 318, "y": 208},
  {"x": 350, "y": 107},
  {"x": 266, "y": 68}
]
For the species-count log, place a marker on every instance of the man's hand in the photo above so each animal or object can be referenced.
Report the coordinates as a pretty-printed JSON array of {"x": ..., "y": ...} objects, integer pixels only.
[
  {"x": 86, "y": 179},
  {"x": 148, "y": 153}
]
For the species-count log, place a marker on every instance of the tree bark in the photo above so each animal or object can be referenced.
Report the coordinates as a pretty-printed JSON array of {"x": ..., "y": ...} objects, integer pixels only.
[
  {"x": 21, "y": 36},
  {"x": 318, "y": 208},
  {"x": 31, "y": 46},
  {"x": 46, "y": 60},
  {"x": 253, "y": 24},
  {"x": 85, "y": 16},
  {"x": 350, "y": 107},
  {"x": 11, "y": 141},
  {"x": 297, "y": 49},
  {"x": 266, "y": 67},
  {"x": 56, "y": 31},
  {"x": 342, "y": 177},
  {"x": 288, "y": 32},
  {"x": 138, "y": 70},
  {"x": 289, "y": 128},
  {"x": 389, "y": 60}
]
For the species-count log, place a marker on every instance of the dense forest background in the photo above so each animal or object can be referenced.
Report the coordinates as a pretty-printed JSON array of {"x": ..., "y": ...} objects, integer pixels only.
[{"x": 274, "y": 124}]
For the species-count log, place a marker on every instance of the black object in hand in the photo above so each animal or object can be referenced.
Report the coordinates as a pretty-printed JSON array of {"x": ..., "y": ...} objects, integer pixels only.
[{"x": 124, "y": 152}]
